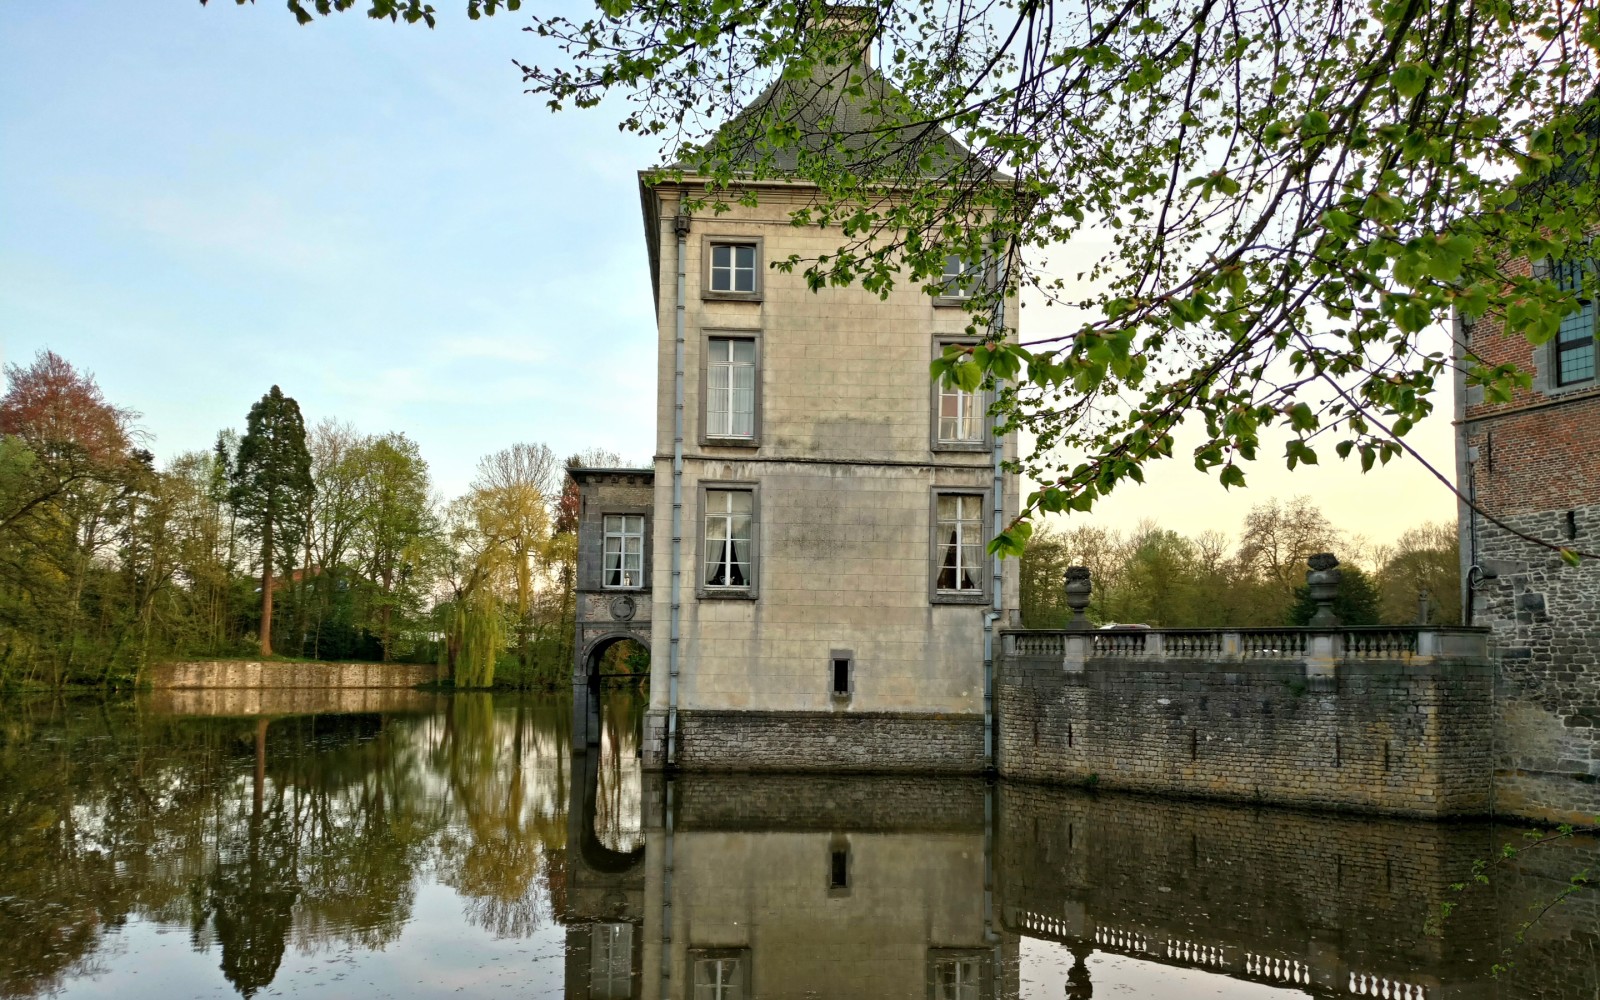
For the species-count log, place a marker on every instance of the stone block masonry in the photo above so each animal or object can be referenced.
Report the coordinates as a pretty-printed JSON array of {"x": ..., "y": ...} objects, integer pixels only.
[
  {"x": 1545, "y": 617},
  {"x": 256, "y": 674},
  {"x": 821, "y": 741},
  {"x": 1403, "y": 736}
]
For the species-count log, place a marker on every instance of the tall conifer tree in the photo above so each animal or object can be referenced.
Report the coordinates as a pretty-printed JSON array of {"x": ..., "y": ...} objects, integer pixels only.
[{"x": 271, "y": 484}]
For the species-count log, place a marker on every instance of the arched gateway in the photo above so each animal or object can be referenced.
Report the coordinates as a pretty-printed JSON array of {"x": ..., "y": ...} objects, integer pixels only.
[{"x": 613, "y": 585}]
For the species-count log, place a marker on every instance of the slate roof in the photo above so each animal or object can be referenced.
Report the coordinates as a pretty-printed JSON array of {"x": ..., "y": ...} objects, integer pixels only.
[{"x": 844, "y": 122}]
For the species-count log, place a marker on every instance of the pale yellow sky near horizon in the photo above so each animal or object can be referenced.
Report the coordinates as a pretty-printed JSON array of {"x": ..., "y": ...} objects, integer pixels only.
[{"x": 1378, "y": 505}]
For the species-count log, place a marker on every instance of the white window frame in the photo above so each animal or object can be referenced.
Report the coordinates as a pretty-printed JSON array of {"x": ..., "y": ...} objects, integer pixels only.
[
  {"x": 717, "y": 438},
  {"x": 622, "y": 536},
  {"x": 749, "y": 589},
  {"x": 959, "y": 280},
  {"x": 733, "y": 243},
  {"x": 970, "y": 533},
  {"x": 979, "y": 401}
]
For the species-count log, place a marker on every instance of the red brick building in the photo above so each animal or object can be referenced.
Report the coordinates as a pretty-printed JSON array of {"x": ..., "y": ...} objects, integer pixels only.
[{"x": 1533, "y": 464}]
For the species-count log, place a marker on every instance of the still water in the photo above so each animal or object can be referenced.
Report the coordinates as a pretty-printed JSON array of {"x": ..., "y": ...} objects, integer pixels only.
[{"x": 458, "y": 846}]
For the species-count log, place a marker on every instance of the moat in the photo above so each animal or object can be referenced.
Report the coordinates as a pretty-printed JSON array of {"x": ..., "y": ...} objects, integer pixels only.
[{"x": 457, "y": 846}]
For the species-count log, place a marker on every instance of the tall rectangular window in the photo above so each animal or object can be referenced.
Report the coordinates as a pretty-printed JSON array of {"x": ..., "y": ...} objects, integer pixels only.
[
  {"x": 624, "y": 550},
  {"x": 729, "y": 535},
  {"x": 961, "y": 415},
  {"x": 1575, "y": 342},
  {"x": 959, "y": 544},
  {"x": 960, "y": 278},
  {"x": 731, "y": 387},
  {"x": 733, "y": 268}
]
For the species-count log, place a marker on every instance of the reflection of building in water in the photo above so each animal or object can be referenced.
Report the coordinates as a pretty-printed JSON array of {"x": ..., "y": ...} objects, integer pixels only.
[
  {"x": 605, "y": 892},
  {"x": 796, "y": 886}
]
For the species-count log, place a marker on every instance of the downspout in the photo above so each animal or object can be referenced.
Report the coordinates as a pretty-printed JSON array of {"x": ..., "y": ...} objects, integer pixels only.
[
  {"x": 997, "y": 577},
  {"x": 680, "y": 226}
]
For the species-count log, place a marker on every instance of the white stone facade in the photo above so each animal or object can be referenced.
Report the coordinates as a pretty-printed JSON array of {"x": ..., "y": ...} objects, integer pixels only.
[{"x": 843, "y": 469}]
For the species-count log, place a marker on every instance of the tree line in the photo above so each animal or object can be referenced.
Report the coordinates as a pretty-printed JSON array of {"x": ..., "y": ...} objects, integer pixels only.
[
  {"x": 324, "y": 542},
  {"x": 1156, "y": 576}
]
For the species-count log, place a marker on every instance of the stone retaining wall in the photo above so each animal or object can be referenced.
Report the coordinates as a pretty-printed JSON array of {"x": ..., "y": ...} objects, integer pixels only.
[
  {"x": 228, "y": 674},
  {"x": 1406, "y": 737},
  {"x": 820, "y": 741}
]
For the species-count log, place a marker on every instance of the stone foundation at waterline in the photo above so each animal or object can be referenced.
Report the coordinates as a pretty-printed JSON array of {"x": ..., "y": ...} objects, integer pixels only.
[
  {"x": 820, "y": 741},
  {"x": 1545, "y": 617}
]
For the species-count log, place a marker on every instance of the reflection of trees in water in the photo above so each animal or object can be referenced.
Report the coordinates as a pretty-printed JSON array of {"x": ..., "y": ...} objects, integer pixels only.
[{"x": 307, "y": 832}]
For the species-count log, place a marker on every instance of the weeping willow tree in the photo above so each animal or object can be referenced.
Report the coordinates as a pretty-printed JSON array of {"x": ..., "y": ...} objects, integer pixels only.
[
  {"x": 475, "y": 639},
  {"x": 475, "y": 557}
]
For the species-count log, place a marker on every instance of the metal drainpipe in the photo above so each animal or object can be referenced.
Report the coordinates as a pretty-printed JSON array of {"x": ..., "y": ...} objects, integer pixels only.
[
  {"x": 680, "y": 226},
  {"x": 997, "y": 495}
]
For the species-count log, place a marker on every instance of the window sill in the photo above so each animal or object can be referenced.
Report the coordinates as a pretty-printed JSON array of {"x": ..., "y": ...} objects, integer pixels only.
[
  {"x": 725, "y": 595},
  {"x": 641, "y": 588},
  {"x": 969, "y": 447},
  {"x": 951, "y": 301},
  {"x": 709, "y": 296},
  {"x": 729, "y": 442},
  {"x": 945, "y": 597}
]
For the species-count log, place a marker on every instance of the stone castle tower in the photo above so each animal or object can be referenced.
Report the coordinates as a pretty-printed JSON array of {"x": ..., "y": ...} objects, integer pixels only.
[{"x": 813, "y": 574}]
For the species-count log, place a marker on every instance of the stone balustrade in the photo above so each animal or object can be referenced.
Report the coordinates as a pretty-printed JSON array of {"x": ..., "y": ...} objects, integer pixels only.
[{"x": 1316, "y": 648}]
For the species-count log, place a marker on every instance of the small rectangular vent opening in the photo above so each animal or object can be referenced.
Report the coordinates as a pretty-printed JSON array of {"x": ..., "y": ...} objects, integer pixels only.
[
  {"x": 841, "y": 676},
  {"x": 839, "y": 870}
]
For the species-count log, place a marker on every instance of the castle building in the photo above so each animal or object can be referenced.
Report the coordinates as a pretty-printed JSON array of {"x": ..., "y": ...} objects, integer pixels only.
[
  {"x": 814, "y": 573},
  {"x": 1531, "y": 467}
]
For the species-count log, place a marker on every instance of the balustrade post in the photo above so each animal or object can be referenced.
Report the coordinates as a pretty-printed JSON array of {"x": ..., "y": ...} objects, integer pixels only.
[
  {"x": 1155, "y": 645},
  {"x": 1232, "y": 645}
]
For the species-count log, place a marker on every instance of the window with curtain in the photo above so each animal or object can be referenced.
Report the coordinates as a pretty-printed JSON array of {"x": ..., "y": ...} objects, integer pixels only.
[
  {"x": 729, "y": 520},
  {"x": 961, "y": 415},
  {"x": 731, "y": 387},
  {"x": 960, "y": 543},
  {"x": 624, "y": 550}
]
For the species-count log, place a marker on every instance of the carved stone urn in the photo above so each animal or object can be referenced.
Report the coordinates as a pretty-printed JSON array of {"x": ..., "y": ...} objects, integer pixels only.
[
  {"x": 1323, "y": 582},
  {"x": 1078, "y": 588}
]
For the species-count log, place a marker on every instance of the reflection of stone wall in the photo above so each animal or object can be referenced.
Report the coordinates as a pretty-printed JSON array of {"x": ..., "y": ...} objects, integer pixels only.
[
  {"x": 1335, "y": 896},
  {"x": 285, "y": 701},
  {"x": 1398, "y": 736},
  {"x": 828, "y": 802},
  {"x": 210, "y": 674}
]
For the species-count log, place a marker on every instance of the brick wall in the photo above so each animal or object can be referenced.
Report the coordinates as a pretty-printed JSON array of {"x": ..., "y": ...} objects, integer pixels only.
[
  {"x": 1396, "y": 737},
  {"x": 1534, "y": 464}
]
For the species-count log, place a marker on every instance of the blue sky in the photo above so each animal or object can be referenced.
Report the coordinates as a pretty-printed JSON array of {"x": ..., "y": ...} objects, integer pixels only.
[{"x": 199, "y": 202}]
